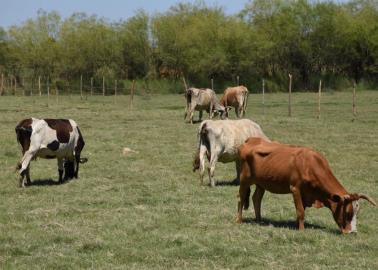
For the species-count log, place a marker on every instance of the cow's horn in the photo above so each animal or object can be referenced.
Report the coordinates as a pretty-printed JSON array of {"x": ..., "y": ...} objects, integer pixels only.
[{"x": 368, "y": 198}]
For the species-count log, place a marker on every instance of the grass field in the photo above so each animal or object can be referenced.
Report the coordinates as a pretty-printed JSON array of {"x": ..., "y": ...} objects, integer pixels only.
[{"x": 147, "y": 210}]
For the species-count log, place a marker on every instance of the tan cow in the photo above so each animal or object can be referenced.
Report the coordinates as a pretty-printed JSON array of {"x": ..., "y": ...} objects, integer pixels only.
[
  {"x": 199, "y": 99},
  {"x": 301, "y": 171},
  {"x": 236, "y": 97},
  {"x": 219, "y": 141}
]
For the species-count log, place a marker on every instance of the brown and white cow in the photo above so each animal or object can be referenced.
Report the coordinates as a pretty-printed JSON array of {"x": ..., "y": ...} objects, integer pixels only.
[
  {"x": 199, "y": 99},
  {"x": 301, "y": 171},
  {"x": 236, "y": 97},
  {"x": 50, "y": 138},
  {"x": 219, "y": 141}
]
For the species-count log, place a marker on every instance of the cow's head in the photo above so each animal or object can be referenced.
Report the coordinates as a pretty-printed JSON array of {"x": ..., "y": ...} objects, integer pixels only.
[
  {"x": 221, "y": 110},
  {"x": 345, "y": 210},
  {"x": 23, "y": 131}
]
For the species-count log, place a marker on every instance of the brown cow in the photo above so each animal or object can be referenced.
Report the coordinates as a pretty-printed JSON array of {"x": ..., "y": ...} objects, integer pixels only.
[
  {"x": 236, "y": 97},
  {"x": 283, "y": 169}
]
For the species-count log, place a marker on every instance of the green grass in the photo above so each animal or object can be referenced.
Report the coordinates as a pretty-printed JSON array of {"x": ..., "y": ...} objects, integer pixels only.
[{"x": 148, "y": 210}]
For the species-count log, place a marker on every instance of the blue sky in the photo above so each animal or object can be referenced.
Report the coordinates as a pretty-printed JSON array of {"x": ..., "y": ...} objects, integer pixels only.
[
  {"x": 14, "y": 12},
  {"x": 17, "y": 11}
]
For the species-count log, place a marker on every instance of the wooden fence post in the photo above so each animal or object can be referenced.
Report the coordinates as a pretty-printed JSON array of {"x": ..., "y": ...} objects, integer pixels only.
[
  {"x": 237, "y": 80},
  {"x": 132, "y": 94},
  {"x": 81, "y": 86},
  {"x": 115, "y": 91},
  {"x": 91, "y": 86},
  {"x": 2, "y": 84},
  {"x": 48, "y": 91},
  {"x": 290, "y": 82},
  {"x": 103, "y": 85},
  {"x": 263, "y": 96},
  {"x": 212, "y": 84},
  {"x": 319, "y": 97},
  {"x": 57, "y": 94},
  {"x": 23, "y": 86},
  {"x": 39, "y": 85},
  {"x": 15, "y": 85},
  {"x": 185, "y": 85},
  {"x": 354, "y": 109},
  {"x": 31, "y": 88}
]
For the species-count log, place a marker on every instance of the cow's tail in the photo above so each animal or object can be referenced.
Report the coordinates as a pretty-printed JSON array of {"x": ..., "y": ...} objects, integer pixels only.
[
  {"x": 245, "y": 102},
  {"x": 196, "y": 160},
  {"x": 202, "y": 134},
  {"x": 246, "y": 202},
  {"x": 188, "y": 97}
]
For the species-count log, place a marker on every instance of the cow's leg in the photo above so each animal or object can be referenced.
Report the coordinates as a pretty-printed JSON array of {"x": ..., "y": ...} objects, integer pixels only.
[
  {"x": 186, "y": 110},
  {"x": 211, "y": 110},
  {"x": 77, "y": 159},
  {"x": 238, "y": 169},
  {"x": 240, "y": 109},
  {"x": 23, "y": 167},
  {"x": 191, "y": 114},
  {"x": 237, "y": 111},
  {"x": 202, "y": 154},
  {"x": 191, "y": 117},
  {"x": 60, "y": 169},
  {"x": 27, "y": 174},
  {"x": 245, "y": 102},
  {"x": 213, "y": 161},
  {"x": 298, "y": 206},
  {"x": 257, "y": 198},
  {"x": 244, "y": 191},
  {"x": 200, "y": 115}
]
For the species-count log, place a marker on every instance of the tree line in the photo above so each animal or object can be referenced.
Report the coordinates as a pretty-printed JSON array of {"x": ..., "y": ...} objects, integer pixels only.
[{"x": 268, "y": 39}]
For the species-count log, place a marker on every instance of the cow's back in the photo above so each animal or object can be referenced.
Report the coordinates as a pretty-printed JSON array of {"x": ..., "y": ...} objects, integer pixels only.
[
  {"x": 234, "y": 96},
  {"x": 276, "y": 166},
  {"x": 56, "y": 137},
  {"x": 231, "y": 134},
  {"x": 203, "y": 99}
]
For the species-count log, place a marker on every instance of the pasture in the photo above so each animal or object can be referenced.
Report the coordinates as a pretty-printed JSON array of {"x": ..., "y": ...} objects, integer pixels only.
[{"x": 147, "y": 210}]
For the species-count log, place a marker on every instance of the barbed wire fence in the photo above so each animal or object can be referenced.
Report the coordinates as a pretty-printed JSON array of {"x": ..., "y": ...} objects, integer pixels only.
[{"x": 11, "y": 85}]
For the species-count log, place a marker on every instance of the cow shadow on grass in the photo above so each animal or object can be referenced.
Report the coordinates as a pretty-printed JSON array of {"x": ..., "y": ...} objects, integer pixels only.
[
  {"x": 288, "y": 224},
  {"x": 196, "y": 121},
  {"x": 223, "y": 183},
  {"x": 45, "y": 182}
]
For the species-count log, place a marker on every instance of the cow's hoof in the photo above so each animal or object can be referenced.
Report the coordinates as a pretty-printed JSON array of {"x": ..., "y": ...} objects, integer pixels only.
[
  {"x": 18, "y": 166},
  {"x": 238, "y": 220}
]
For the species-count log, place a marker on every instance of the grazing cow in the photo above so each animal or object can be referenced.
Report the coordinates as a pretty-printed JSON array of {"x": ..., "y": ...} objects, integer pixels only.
[
  {"x": 300, "y": 171},
  {"x": 50, "y": 138},
  {"x": 219, "y": 140},
  {"x": 236, "y": 97},
  {"x": 199, "y": 100}
]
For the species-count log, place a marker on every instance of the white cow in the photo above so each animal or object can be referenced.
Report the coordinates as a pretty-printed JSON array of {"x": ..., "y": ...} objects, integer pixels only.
[
  {"x": 199, "y": 99},
  {"x": 219, "y": 141}
]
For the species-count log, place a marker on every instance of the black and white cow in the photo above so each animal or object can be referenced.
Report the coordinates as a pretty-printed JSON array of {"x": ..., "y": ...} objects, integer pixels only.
[{"x": 50, "y": 138}]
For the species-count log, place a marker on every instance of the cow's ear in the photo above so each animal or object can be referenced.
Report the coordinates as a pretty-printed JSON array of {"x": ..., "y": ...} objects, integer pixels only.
[{"x": 353, "y": 197}]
